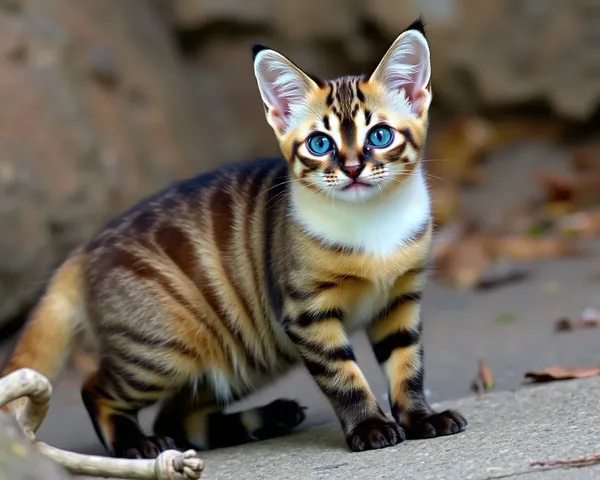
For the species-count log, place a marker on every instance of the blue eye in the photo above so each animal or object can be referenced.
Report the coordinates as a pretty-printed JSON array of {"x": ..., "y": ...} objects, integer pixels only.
[
  {"x": 380, "y": 137},
  {"x": 319, "y": 145}
]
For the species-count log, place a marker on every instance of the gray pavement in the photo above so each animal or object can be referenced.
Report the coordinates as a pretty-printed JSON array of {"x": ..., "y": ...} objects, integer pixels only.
[{"x": 507, "y": 432}]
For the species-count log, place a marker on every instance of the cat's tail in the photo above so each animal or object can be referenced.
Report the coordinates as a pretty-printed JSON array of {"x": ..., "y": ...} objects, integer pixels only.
[{"x": 51, "y": 330}]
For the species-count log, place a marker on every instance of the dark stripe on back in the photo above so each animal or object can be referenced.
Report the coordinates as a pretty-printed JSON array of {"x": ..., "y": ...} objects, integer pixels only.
[
  {"x": 211, "y": 297},
  {"x": 256, "y": 182},
  {"x": 221, "y": 205},
  {"x": 177, "y": 246}
]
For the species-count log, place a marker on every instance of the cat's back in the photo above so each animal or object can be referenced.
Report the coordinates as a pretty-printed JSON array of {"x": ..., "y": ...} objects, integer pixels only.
[
  {"x": 205, "y": 197},
  {"x": 199, "y": 216}
]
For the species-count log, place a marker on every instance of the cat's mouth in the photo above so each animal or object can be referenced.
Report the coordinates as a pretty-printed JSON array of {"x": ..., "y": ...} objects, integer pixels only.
[{"x": 356, "y": 185}]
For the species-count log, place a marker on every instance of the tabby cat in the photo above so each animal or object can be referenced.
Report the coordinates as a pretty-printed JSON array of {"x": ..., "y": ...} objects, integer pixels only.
[{"x": 206, "y": 291}]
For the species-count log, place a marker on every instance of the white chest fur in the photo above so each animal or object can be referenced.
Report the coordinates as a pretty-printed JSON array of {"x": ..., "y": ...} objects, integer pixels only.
[{"x": 378, "y": 226}]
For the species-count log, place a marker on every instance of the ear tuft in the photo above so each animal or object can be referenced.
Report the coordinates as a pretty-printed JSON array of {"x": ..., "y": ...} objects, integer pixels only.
[
  {"x": 418, "y": 25},
  {"x": 256, "y": 49}
]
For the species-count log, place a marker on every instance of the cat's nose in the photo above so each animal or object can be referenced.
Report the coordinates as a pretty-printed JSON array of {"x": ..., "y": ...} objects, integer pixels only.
[{"x": 353, "y": 171}]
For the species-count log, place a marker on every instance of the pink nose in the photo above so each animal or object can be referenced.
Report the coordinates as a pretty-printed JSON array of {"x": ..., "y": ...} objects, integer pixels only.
[{"x": 353, "y": 171}]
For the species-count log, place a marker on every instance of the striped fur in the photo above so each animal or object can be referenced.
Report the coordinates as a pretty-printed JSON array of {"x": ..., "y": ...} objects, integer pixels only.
[{"x": 204, "y": 292}]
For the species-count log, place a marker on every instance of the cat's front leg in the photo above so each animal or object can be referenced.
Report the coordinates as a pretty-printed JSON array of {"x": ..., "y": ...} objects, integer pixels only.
[
  {"x": 396, "y": 337},
  {"x": 319, "y": 336}
]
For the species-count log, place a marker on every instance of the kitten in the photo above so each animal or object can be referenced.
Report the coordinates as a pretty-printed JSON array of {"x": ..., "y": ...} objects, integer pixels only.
[{"x": 206, "y": 291}]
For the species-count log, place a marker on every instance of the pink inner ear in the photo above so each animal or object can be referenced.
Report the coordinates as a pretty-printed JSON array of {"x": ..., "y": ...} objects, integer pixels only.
[
  {"x": 278, "y": 117},
  {"x": 280, "y": 105},
  {"x": 418, "y": 95}
]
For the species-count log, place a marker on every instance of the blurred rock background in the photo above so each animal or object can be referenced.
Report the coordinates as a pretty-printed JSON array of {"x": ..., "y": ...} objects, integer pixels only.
[{"x": 105, "y": 101}]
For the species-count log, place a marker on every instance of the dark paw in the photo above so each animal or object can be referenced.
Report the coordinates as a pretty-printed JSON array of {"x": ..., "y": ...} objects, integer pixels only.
[
  {"x": 280, "y": 417},
  {"x": 448, "y": 422},
  {"x": 374, "y": 433},
  {"x": 147, "y": 447}
]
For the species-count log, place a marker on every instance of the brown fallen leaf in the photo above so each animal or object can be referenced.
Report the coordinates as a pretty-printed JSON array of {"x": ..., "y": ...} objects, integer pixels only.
[
  {"x": 484, "y": 380},
  {"x": 589, "y": 318},
  {"x": 579, "y": 189},
  {"x": 519, "y": 247},
  {"x": 582, "y": 461},
  {"x": 560, "y": 372},
  {"x": 586, "y": 158},
  {"x": 465, "y": 263}
]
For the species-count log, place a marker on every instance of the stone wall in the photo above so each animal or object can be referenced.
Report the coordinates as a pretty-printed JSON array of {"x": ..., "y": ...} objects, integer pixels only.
[{"x": 104, "y": 101}]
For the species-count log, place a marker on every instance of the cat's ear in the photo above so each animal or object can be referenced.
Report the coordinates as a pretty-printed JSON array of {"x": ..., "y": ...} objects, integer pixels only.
[
  {"x": 283, "y": 87},
  {"x": 405, "y": 70}
]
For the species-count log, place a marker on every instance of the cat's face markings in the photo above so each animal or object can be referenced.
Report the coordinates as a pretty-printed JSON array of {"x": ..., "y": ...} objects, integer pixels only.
[{"x": 353, "y": 137}]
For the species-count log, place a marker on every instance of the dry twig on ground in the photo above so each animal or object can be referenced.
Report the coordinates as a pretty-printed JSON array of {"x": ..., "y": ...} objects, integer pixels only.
[
  {"x": 169, "y": 465},
  {"x": 583, "y": 461}
]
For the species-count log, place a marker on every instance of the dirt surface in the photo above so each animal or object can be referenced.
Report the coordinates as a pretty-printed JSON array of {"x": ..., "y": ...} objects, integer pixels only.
[{"x": 460, "y": 327}]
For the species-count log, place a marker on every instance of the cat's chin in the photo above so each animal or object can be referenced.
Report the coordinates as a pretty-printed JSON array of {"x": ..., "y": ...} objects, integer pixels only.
[{"x": 358, "y": 192}]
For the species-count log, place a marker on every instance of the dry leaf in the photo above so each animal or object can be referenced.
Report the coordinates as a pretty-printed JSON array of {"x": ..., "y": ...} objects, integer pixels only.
[
  {"x": 484, "y": 380},
  {"x": 589, "y": 318},
  {"x": 519, "y": 247},
  {"x": 586, "y": 158},
  {"x": 578, "y": 189},
  {"x": 559, "y": 372},
  {"x": 465, "y": 263}
]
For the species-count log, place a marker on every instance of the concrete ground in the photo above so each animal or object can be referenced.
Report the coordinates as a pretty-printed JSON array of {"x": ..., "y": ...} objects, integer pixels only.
[{"x": 506, "y": 431}]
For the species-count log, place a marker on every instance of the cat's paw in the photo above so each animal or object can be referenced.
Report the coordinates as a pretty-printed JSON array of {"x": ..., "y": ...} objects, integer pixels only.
[
  {"x": 448, "y": 422},
  {"x": 374, "y": 433},
  {"x": 280, "y": 417}
]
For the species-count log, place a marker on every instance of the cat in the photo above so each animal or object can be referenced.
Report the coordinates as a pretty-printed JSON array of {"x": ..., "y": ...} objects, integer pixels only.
[{"x": 218, "y": 284}]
